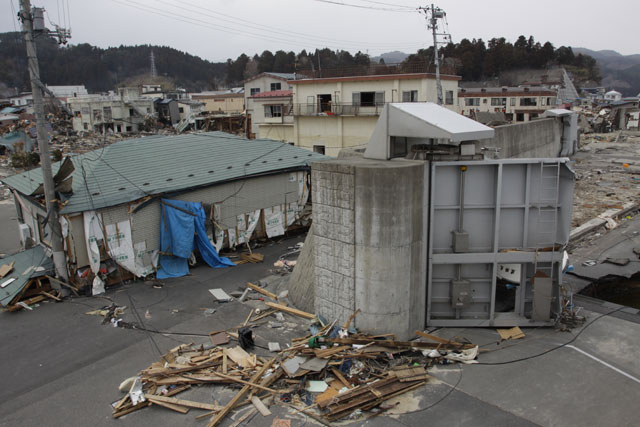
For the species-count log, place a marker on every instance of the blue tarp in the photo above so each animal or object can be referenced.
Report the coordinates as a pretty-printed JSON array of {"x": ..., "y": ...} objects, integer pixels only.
[
  {"x": 9, "y": 139},
  {"x": 182, "y": 232}
]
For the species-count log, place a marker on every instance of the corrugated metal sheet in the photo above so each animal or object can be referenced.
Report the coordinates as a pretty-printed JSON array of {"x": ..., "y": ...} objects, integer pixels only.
[
  {"x": 23, "y": 263},
  {"x": 134, "y": 168}
]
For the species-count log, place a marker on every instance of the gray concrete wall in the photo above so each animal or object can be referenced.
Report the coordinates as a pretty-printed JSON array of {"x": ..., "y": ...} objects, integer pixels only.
[
  {"x": 376, "y": 263},
  {"x": 538, "y": 138},
  {"x": 390, "y": 247},
  {"x": 300, "y": 283},
  {"x": 333, "y": 195}
]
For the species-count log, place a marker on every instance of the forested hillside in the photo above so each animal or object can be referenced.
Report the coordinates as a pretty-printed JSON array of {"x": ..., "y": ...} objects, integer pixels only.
[{"x": 102, "y": 69}]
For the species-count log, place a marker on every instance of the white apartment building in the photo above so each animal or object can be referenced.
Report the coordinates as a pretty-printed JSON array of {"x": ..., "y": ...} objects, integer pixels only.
[
  {"x": 334, "y": 113},
  {"x": 121, "y": 113},
  {"x": 520, "y": 104}
]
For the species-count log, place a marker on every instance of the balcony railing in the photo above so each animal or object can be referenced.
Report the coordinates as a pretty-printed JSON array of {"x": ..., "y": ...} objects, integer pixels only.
[{"x": 338, "y": 109}]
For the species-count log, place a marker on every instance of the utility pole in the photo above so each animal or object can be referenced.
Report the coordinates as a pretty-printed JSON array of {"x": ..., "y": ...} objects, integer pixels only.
[
  {"x": 59, "y": 258},
  {"x": 433, "y": 14}
]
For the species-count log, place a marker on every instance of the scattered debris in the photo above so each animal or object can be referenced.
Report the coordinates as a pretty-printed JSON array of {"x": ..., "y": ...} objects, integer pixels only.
[
  {"x": 511, "y": 334},
  {"x": 328, "y": 375},
  {"x": 220, "y": 295}
]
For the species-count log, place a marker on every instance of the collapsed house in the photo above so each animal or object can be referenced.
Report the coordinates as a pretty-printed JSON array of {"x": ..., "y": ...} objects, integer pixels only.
[
  {"x": 114, "y": 199},
  {"x": 423, "y": 230}
]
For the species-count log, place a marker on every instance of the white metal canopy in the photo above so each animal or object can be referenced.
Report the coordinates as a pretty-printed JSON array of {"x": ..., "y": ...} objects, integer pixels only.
[{"x": 421, "y": 120}]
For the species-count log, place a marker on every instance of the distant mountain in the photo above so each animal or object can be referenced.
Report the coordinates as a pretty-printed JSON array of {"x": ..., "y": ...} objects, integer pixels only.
[
  {"x": 619, "y": 72},
  {"x": 394, "y": 57},
  {"x": 100, "y": 69}
]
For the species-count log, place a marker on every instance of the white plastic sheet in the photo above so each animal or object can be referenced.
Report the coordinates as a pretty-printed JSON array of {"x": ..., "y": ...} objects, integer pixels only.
[
  {"x": 93, "y": 233},
  {"x": 121, "y": 247},
  {"x": 274, "y": 221}
]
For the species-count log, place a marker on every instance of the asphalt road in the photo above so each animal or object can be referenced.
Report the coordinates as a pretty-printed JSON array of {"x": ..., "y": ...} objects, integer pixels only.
[{"x": 59, "y": 366}]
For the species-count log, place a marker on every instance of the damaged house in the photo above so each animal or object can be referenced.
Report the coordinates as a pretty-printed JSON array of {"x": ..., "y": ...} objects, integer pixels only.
[{"x": 114, "y": 199}]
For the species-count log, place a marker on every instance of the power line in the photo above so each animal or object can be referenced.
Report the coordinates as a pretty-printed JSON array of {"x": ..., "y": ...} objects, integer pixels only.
[
  {"x": 366, "y": 7},
  {"x": 236, "y": 31},
  {"x": 271, "y": 29}
]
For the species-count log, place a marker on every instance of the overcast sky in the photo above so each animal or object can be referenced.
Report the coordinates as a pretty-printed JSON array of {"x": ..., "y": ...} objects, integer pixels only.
[{"x": 221, "y": 29}]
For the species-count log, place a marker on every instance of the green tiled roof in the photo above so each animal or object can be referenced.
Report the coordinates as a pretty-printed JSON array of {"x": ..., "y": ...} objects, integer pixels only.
[{"x": 134, "y": 168}]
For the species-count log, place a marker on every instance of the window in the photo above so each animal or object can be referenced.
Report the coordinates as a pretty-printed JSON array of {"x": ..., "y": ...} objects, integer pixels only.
[
  {"x": 276, "y": 86},
  {"x": 484, "y": 100},
  {"x": 470, "y": 102},
  {"x": 549, "y": 101},
  {"x": 255, "y": 91},
  {"x": 528, "y": 102},
  {"x": 513, "y": 102},
  {"x": 448, "y": 97},
  {"x": 318, "y": 149},
  {"x": 85, "y": 111},
  {"x": 181, "y": 110},
  {"x": 77, "y": 114},
  {"x": 398, "y": 146},
  {"x": 129, "y": 128},
  {"x": 86, "y": 126},
  {"x": 118, "y": 128},
  {"x": 410, "y": 96},
  {"x": 498, "y": 101},
  {"x": 97, "y": 115},
  {"x": 519, "y": 117},
  {"x": 132, "y": 111},
  {"x": 43, "y": 230},
  {"x": 273, "y": 110},
  {"x": 368, "y": 99},
  {"x": 107, "y": 114},
  {"x": 543, "y": 101}
]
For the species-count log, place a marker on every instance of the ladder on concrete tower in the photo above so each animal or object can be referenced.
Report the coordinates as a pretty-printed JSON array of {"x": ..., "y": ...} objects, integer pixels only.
[{"x": 547, "y": 222}]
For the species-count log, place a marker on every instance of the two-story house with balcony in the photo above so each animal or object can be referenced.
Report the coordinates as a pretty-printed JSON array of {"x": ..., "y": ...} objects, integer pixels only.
[
  {"x": 519, "y": 104},
  {"x": 272, "y": 115},
  {"x": 330, "y": 114},
  {"x": 261, "y": 89}
]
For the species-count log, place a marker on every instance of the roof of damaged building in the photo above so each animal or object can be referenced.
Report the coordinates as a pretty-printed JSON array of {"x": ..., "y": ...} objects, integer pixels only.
[
  {"x": 25, "y": 265},
  {"x": 135, "y": 168}
]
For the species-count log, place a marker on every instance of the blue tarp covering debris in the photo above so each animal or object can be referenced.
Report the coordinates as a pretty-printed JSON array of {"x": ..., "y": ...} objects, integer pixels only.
[
  {"x": 182, "y": 230},
  {"x": 9, "y": 139}
]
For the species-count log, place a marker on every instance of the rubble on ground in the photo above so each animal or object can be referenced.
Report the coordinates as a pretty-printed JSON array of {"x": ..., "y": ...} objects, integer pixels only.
[
  {"x": 332, "y": 373},
  {"x": 607, "y": 170}
]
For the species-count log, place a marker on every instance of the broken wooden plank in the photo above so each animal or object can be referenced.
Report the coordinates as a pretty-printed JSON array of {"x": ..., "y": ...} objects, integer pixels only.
[
  {"x": 443, "y": 340},
  {"x": 341, "y": 377},
  {"x": 290, "y": 310},
  {"x": 350, "y": 319},
  {"x": 173, "y": 407},
  {"x": 6, "y": 269},
  {"x": 244, "y": 417},
  {"x": 248, "y": 383},
  {"x": 257, "y": 403},
  {"x": 511, "y": 334},
  {"x": 50, "y": 295},
  {"x": 223, "y": 413},
  {"x": 181, "y": 402},
  {"x": 262, "y": 291},
  {"x": 65, "y": 284}
]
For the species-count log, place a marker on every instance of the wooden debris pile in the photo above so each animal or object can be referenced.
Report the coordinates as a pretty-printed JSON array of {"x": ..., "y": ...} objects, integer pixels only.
[{"x": 328, "y": 375}]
